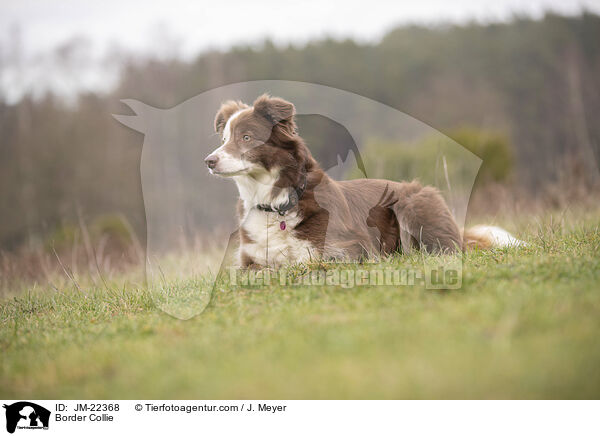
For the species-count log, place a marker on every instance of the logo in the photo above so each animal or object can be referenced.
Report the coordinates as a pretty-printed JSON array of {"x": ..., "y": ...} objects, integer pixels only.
[
  {"x": 26, "y": 415},
  {"x": 342, "y": 125}
]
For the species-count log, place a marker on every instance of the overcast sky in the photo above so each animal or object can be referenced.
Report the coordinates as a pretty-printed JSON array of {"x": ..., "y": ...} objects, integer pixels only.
[
  {"x": 159, "y": 27},
  {"x": 204, "y": 24}
]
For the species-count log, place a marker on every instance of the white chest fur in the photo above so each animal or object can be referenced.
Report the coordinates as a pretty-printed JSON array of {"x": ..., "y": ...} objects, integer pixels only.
[{"x": 270, "y": 244}]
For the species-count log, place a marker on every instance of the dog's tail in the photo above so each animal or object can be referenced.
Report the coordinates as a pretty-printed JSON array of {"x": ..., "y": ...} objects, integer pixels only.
[{"x": 484, "y": 237}]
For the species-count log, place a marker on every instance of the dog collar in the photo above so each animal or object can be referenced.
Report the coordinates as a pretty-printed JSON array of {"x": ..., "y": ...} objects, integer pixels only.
[{"x": 292, "y": 200}]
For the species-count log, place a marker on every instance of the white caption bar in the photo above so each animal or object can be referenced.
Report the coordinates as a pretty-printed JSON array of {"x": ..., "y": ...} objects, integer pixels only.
[{"x": 301, "y": 417}]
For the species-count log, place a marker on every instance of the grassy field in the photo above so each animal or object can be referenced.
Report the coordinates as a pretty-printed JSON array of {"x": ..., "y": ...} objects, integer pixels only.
[{"x": 524, "y": 324}]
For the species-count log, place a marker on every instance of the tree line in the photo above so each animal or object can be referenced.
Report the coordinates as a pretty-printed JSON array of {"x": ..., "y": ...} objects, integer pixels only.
[{"x": 536, "y": 81}]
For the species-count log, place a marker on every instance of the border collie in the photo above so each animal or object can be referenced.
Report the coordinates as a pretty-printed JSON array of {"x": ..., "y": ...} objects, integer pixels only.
[{"x": 291, "y": 211}]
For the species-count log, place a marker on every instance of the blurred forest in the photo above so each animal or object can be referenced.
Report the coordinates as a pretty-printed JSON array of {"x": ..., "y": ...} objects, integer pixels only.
[{"x": 531, "y": 87}]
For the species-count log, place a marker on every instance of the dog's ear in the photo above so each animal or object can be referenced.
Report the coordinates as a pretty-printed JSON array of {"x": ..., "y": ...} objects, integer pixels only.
[
  {"x": 225, "y": 112},
  {"x": 274, "y": 109}
]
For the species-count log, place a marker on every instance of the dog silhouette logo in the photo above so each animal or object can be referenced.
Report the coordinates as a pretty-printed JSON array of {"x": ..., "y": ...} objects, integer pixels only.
[
  {"x": 190, "y": 211},
  {"x": 26, "y": 415}
]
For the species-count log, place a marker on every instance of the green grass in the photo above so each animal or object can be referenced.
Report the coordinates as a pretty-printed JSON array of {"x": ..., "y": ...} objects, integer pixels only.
[{"x": 524, "y": 324}]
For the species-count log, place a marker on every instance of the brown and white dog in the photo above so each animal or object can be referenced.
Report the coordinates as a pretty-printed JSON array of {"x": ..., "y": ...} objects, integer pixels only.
[{"x": 291, "y": 211}]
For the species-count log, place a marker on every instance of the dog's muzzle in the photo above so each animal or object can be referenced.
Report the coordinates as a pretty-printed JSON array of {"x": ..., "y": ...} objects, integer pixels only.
[{"x": 211, "y": 161}]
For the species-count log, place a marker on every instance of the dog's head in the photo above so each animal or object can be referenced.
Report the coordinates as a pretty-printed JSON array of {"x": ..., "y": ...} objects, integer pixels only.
[{"x": 257, "y": 139}]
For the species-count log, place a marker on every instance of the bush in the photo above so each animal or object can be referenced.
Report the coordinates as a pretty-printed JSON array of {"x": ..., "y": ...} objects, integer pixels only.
[
  {"x": 432, "y": 158},
  {"x": 492, "y": 147}
]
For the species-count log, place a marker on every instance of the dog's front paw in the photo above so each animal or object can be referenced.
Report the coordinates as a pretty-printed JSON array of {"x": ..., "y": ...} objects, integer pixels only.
[{"x": 252, "y": 267}]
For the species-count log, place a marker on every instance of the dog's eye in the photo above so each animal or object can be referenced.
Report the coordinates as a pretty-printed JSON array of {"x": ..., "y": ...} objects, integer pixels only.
[
  {"x": 246, "y": 137},
  {"x": 223, "y": 140}
]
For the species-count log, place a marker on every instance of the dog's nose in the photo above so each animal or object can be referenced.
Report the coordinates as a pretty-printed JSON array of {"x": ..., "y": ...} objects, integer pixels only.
[{"x": 211, "y": 161}]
